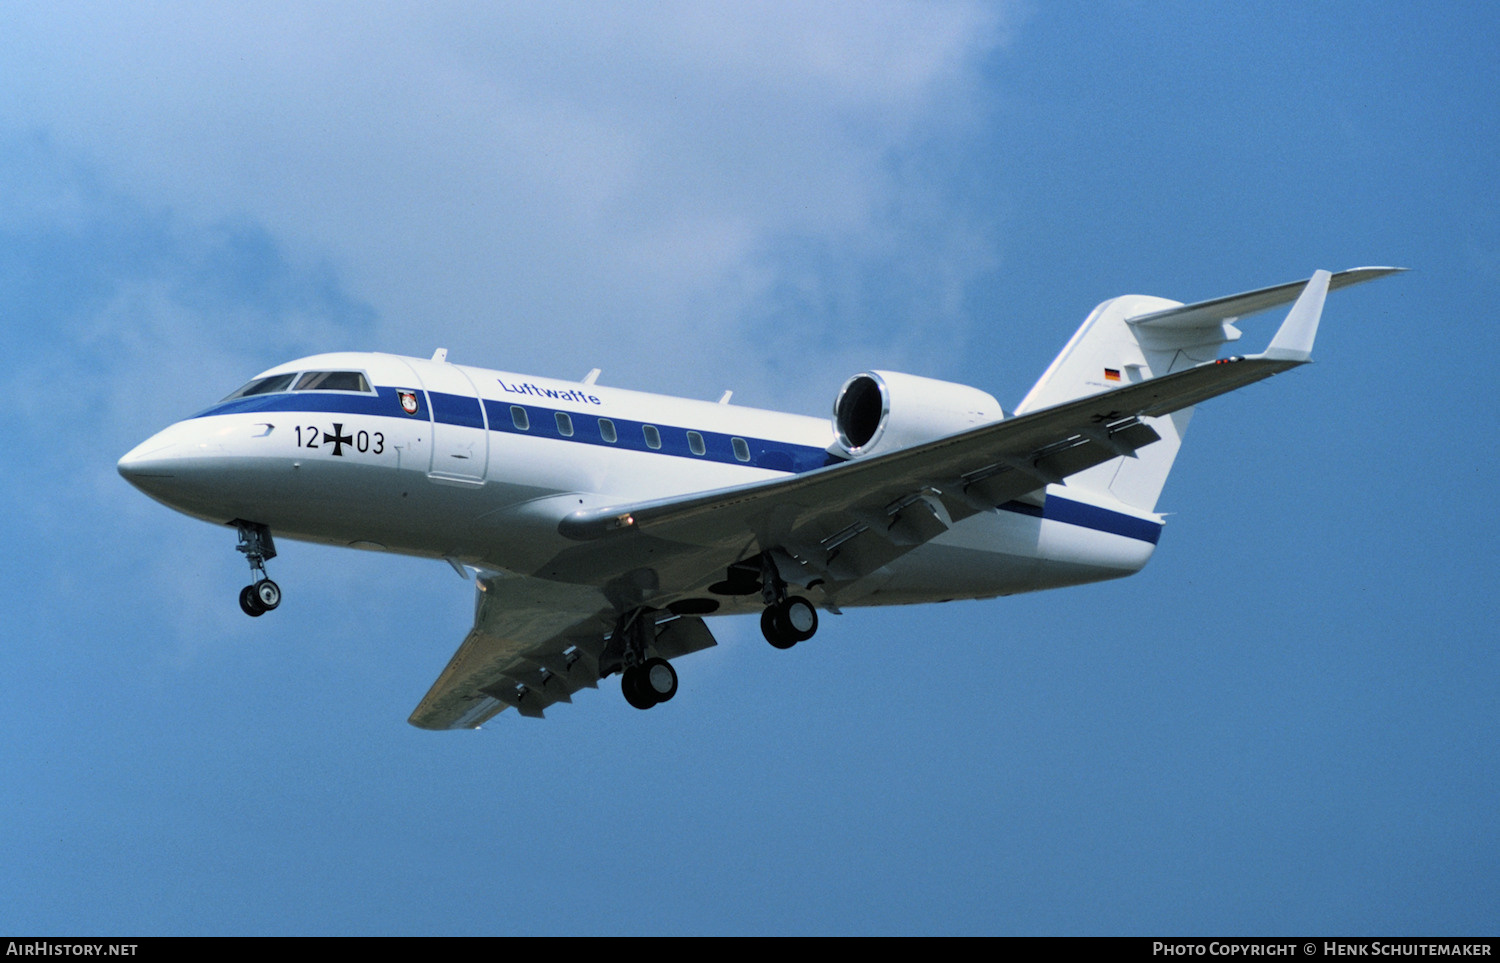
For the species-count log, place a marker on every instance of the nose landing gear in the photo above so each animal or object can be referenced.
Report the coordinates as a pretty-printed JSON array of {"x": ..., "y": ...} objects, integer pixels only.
[
  {"x": 261, "y": 595},
  {"x": 258, "y": 599}
]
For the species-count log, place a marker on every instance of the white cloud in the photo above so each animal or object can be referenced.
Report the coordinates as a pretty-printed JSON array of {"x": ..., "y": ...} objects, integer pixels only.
[
  {"x": 693, "y": 197},
  {"x": 551, "y": 186}
]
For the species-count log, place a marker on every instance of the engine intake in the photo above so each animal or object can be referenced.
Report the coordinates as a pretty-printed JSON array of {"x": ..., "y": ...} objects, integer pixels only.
[{"x": 879, "y": 411}]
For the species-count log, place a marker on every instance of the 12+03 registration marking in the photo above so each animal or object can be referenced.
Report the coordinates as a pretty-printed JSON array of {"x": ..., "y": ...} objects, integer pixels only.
[{"x": 361, "y": 441}]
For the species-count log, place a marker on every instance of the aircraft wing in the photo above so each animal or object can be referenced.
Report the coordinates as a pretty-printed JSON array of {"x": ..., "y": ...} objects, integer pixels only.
[
  {"x": 523, "y": 632},
  {"x": 844, "y": 521},
  {"x": 534, "y": 643}
]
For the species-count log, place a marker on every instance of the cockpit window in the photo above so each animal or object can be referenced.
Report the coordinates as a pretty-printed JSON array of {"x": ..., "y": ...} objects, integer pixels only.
[
  {"x": 264, "y": 386},
  {"x": 333, "y": 381}
]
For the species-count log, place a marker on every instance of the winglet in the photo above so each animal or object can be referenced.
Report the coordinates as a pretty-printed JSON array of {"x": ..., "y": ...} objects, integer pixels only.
[{"x": 1294, "y": 341}]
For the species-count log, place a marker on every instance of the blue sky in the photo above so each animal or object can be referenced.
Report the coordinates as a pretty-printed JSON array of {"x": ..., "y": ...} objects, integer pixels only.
[{"x": 1285, "y": 724}]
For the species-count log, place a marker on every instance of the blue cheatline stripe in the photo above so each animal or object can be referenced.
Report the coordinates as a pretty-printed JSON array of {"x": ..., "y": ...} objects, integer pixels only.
[
  {"x": 461, "y": 410},
  {"x": 630, "y": 435},
  {"x": 1090, "y": 516},
  {"x": 464, "y": 410}
]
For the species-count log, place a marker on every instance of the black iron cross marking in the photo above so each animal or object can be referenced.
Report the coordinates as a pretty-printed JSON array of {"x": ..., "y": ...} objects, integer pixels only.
[
  {"x": 1096, "y": 419},
  {"x": 338, "y": 439}
]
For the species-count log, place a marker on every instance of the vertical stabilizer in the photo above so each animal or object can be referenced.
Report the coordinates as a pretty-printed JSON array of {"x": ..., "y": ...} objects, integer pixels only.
[
  {"x": 1108, "y": 352},
  {"x": 1134, "y": 338}
]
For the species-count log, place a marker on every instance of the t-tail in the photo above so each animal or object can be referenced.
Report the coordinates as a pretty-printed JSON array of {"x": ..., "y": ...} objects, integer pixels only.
[{"x": 1134, "y": 338}]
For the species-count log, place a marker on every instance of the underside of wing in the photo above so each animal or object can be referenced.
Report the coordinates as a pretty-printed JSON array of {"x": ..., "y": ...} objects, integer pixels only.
[{"x": 534, "y": 643}]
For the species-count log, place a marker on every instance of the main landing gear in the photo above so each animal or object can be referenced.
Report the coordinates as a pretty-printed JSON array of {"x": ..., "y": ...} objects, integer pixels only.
[
  {"x": 644, "y": 681},
  {"x": 787, "y": 619},
  {"x": 261, "y": 595},
  {"x": 650, "y": 682}
]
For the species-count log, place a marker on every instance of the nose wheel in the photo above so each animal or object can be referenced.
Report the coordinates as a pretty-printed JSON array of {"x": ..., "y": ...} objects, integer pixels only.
[
  {"x": 261, "y": 595},
  {"x": 258, "y": 599}
]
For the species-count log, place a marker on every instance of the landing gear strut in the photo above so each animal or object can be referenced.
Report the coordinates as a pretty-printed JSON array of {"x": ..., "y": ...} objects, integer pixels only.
[
  {"x": 787, "y": 619},
  {"x": 261, "y": 595}
]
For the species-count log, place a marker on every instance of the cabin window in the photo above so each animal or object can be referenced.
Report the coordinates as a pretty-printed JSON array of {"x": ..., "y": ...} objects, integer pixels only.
[
  {"x": 741, "y": 449},
  {"x": 519, "y": 419},
  {"x": 333, "y": 381},
  {"x": 653, "y": 437},
  {"x": 564, "y": 424},
  {"x": 607, "y": 431},
  {"x": 264, "y": 386},
  {"x": 695, "y": 443}
]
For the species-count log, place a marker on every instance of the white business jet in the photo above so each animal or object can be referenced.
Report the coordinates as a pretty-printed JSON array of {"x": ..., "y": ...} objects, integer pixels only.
[{"x": 602, "y": 525}]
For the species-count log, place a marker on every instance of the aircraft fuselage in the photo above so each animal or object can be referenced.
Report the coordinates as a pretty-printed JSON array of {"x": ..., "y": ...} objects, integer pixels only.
[{"x": 432, "y": 459}]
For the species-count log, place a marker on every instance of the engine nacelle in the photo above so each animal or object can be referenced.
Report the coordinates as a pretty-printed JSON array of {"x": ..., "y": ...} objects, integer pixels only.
[{"x": 879, "y": 411}]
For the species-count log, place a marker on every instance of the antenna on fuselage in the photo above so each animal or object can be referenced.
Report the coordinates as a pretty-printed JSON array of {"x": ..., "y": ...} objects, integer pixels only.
[
  {"x": 592, "y": 376},
  {"x": 727, "y": 395},
  {"x": 440, "y": 355}
]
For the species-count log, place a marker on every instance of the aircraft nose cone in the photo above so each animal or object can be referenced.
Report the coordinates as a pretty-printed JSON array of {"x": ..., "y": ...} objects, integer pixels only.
[
  {"x": 148, "y": 460},
  {"x": 205, "y": 469},
  {"x": 170, "y": 466}
]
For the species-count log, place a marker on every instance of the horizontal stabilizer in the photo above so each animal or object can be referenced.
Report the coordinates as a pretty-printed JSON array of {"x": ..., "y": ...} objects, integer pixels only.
[{"x": 1209, "y": 313}]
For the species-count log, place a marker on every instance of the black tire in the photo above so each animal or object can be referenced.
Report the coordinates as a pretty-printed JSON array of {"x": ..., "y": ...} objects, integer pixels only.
[
  {"x": 250, "y": 602},
  {"x": 268, "y": 593},
  {"x": 636, "y": 692},
  {"x": 658, "y": 680},
  {"x": 774, "y": 628}
]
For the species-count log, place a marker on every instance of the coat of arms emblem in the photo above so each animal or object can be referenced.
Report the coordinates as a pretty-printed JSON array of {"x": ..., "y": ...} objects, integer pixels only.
[{"x": 408, "y": 401}]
